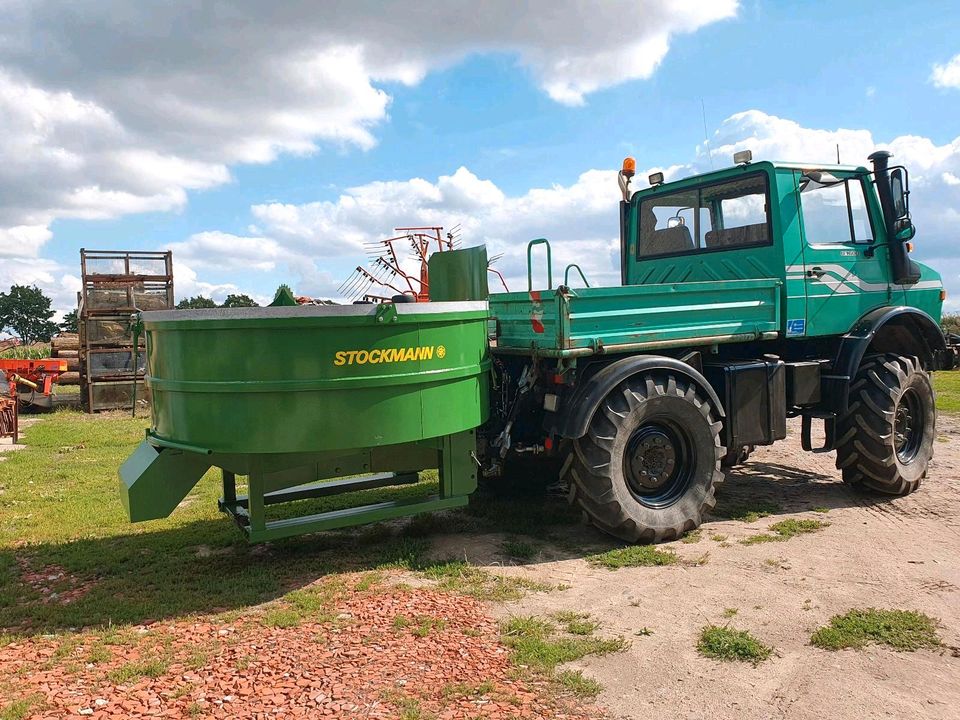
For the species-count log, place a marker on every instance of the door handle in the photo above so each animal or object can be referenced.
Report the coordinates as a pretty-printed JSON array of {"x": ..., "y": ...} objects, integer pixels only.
[{"x": 817, "y": 272}]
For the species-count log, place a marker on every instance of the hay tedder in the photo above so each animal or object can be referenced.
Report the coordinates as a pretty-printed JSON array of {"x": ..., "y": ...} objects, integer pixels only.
[
  {"x": 748, "y": 295},
  {"x": 29, "y": 382}
]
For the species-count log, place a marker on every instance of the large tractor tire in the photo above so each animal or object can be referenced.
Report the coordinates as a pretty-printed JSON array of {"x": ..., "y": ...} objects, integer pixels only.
[
  {"x": 887, "y": 435},
  {"x": 647, "y": 467}
]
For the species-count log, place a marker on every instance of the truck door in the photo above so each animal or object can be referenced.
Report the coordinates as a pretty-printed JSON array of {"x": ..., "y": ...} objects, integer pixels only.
[{"x": 844, "y": 275}]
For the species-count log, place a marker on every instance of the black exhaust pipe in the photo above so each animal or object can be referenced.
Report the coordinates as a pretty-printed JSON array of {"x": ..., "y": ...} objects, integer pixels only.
[{"x": 905, "y": 271}]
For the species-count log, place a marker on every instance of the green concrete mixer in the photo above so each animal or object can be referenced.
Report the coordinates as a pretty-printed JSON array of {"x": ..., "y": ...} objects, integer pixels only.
[{"x": 311, "y": 401}]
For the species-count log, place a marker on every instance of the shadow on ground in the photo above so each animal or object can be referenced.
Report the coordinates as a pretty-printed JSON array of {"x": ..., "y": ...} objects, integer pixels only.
[{"x": 206, "y": 566}]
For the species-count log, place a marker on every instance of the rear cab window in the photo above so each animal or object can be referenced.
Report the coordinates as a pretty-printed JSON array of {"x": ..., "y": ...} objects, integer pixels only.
[{"x": 725, "y": 215}]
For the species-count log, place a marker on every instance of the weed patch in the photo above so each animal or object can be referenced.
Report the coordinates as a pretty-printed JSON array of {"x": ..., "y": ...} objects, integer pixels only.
[
  {"x": 745, "y": 513},
  {"x": 133, "y": 671},
  {"x": 724, "y": 643},
  {"x": 905, "y": 630},
  {"x": 577, "y": 683},
  {"x": 634, "y": 556},
  {"x": 534, "y": 644},
  {"x": 466, "y": 579},
  {"x": 786, "y": 529},
  {"x": 281, "y": 617},
  {"x": 519, "y": 550}
]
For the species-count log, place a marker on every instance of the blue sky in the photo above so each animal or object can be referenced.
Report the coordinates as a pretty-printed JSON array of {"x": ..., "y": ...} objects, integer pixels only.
[{"x": 813, "y": 74}]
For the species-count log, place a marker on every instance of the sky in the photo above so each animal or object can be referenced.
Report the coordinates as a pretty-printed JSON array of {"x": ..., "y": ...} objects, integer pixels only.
[{"x": 265, "y": 143}]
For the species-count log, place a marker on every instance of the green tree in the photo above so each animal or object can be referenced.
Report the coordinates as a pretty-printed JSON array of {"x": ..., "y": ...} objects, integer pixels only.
[
  {"x": 196, "y": 303},
  {"x": 239, "y": 300},
  {"x": 69, "y": 323},
  {"x": 25, "y": 312}
]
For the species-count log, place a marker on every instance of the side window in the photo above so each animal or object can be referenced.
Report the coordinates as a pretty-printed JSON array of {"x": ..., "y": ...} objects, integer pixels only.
[
  {"x": 719, "y": 216},
  {"x": 836, "y": 213},
  {"x": 668, "y": 224},
  {"x": 740, "y": 208}
]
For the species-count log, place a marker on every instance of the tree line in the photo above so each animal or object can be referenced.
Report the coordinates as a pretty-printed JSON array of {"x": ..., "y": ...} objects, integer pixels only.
[{"x": 26, "y": 312}]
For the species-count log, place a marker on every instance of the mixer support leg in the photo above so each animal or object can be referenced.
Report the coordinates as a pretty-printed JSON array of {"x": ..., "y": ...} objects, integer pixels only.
[
  {"x": 229, "y": 487},
  {"x": 258, "y": 520}
]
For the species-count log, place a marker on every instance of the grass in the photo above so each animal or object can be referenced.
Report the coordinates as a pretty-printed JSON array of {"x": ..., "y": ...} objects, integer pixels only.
[
  {"x": 534, "y": 643},
  {"x": 634, "y": 556},
  {"x": 786, "y": 529},
  {"x": 744, "y": 513},
  {"x": 577, "y": 683},
  {"x": 694, "y": 536},
  {"x": 577, "y": 623},
  {"x": 20, "y": 709},
  {"x": 461, "y": 577},
  {"x": 519, "y": 550},
  {"x": 61, "y": 510},
  {"x": 133, "y": 671},
  {"x": 904, "y": 630},
  {"x": 725, "y": 643},
  {"x": 281, "y": 618},
  {"x": 947, "y": 387}
]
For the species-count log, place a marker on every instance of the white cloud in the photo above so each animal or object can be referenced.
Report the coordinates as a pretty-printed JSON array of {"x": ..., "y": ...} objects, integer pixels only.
[
  {"x": 948, "y": 74},
  {"x": 934, "y": 197},
  {"x": 220, "y": 250},
  {"x": 113, "y": 107},
  {"x": 580, "y": 219}
]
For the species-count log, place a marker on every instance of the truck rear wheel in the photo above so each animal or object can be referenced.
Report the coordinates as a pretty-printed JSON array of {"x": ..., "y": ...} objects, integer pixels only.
[
  {"x": 646, "y": 469},
  {"x": 888, "y": 432}
]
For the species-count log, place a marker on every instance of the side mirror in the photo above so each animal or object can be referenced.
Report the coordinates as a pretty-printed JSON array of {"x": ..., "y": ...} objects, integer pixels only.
[
  {"x": 905, "y": 230},
  {"x": 898, "y": 189},
  {"x": 675, "y": 221}
]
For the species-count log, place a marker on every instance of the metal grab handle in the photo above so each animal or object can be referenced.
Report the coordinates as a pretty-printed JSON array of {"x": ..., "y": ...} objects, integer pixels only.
[
  {"x": 566, "y": 274},
  {"x": 539, "y": 241}
]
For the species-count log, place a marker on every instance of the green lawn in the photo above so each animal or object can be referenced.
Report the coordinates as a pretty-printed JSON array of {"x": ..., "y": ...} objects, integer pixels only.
[
  {"x": 947, "y": 386},
  {"x": 60, "y": 511}
]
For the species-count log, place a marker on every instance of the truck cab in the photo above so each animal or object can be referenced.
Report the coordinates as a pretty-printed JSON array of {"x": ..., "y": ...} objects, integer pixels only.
[{"x": 820, "y": 232}]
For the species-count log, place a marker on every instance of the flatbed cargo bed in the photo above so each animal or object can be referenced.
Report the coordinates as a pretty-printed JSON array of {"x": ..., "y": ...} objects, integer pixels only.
[{"x": 567, "y": 322}]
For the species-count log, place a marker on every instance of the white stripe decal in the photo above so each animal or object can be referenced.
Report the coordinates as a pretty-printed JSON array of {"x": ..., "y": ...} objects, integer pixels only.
[{"x": 846, "y": 278}]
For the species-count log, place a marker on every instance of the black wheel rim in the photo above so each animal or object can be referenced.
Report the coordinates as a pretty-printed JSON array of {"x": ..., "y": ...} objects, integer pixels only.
[
  {"x": 908, "y": 426},
  {"x": 659, "y": 463}
]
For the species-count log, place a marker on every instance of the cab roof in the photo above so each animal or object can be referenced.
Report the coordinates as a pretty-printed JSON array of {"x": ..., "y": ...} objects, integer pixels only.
[{"x": 743, "y": 168}]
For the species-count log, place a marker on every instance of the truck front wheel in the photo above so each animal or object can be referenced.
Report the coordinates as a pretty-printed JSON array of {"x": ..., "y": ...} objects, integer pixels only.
[
  {"x": 646, "y": 469},
  {"x": 886, "y": 437}
]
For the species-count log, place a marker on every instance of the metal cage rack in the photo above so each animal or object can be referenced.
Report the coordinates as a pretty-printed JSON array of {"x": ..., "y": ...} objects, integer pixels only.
[{"x": 116, "y": 285}]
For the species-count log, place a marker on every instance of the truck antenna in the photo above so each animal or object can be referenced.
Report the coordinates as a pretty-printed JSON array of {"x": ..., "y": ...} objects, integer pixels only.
[{"x": 838, "y": 153}]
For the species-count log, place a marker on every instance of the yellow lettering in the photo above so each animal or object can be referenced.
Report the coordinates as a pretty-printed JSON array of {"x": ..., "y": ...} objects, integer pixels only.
[
  {"x": 427, "y": 352},
  {"x": 362, "y": 357},
  {"x": 374, "y": 356},
  {"x": 409, "y": 354},
  {"x": 351, "y": 354},
  {"x": 340, "y": 358}
]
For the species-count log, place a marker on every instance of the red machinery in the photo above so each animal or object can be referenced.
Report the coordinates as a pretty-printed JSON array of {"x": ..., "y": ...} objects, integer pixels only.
[
  {"x": 387, "y": 266},
  {"x": 32, "y": 380}
]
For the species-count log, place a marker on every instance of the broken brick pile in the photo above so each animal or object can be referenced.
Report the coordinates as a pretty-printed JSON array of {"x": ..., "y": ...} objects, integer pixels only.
[{"x": 388, "y": 653}]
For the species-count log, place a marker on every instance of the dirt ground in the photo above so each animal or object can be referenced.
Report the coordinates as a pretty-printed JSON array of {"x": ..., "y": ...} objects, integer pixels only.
[{"x": 901, "y": 553}]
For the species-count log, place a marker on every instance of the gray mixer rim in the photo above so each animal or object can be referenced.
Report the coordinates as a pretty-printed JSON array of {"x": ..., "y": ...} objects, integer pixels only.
[{"x": 306, "y": 311}]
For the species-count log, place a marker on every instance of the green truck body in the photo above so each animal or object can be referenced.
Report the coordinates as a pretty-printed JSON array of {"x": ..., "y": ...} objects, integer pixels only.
[{"x": 761, "y": 291}]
